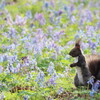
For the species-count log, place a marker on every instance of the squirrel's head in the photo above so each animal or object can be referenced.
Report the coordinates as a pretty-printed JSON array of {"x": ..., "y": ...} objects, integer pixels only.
[{"x": 76, "y": 51}]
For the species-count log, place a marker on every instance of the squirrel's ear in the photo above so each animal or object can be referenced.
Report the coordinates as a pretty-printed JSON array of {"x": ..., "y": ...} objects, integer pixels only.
[{"x": 78, "y": 42}]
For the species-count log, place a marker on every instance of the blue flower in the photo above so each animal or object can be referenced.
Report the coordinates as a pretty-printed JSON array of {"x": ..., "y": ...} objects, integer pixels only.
[
  {"x": 25, "y": 97},
  {"x": 91, "y": 80},
  {"x": 52, "y": 80},
  {"x": 50, "y": 69},
  {"x": 73, "y": 19},
  {"x": 60, "y": 90},
  {"x": 1, "y": 69},
  {"x": 92, "y": 44},
  {"x": 2, "y": 4},
  {"x": 20, "y": 20},
  {"x": 11, "y": 68},
  {"x": 29, "y": 14},
  {"x": 46, "y": 4},
  {"x": 89, "y": 15},
  {"x": 65, "y": 8},
  {"x": 92, "y": 93},
  {"x": 60, "y": 12},
  {"x": 95, "y": 86},
  {"x": 40, "y": 78},
  {"x": 2, "y": 96},
  {"x": 40, "y": 17}
]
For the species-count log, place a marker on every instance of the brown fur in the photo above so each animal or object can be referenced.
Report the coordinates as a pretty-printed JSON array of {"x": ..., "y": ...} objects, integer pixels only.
[{"x": 93, "y": 62}]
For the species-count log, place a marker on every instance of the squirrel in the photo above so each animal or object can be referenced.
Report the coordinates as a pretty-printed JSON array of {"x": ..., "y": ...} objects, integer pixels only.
[{"x": 86, "y": 66}]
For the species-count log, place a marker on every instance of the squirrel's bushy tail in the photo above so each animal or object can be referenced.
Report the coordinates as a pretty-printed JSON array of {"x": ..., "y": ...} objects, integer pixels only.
[{"x": 93, "y": 63}]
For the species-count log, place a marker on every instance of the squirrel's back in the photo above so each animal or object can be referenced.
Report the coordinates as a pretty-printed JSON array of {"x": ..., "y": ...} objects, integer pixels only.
[{"x": 93, "y": 64}]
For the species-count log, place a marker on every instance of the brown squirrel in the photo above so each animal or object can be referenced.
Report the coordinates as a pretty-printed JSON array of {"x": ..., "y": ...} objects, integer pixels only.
[{"x": 86, "y": 66}]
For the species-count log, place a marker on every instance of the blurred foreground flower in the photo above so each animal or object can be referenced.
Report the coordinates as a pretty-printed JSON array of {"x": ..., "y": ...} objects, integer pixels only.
[
  {"x": 95, "y": 85},
  {"x": 25, "y": 97},
  {"x": 2, "y": 96}
]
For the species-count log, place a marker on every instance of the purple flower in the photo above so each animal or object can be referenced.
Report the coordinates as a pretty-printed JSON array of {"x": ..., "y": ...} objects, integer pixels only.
[
  {"x": 18, "y": 67},
  {"x": 70, "y": 42},
  {"x": 52, "y": 19},
  {"x": 95, "y": 88},
  {"x": 60, "y": 12},
  {"x": 73, "y": 19},
  {"x": 65, "y": 8},
  {"x": 52, "y": 80},
  {"x": 98, "y": 25},
  {"x": 11, "y": 68},
  {"x": 50, "y": 29},
  {"x": 54, "y": 55},
  {"x": 12, "y": 32},
  {"x": 72, "y": 8},
  {"x": 89, "y": 15},
  {"x": 29, "y": 76},
  {"x": 9, "y": 19},
  {"x": 2, "y": 4},
  {"x": 91, "y": 93},
  {"x": 40, "y": 17},
  {"x": 90, "y": 31},
  {"x": 95, "y": 85},
  {"x": 52, "y": 3},
  {"x": 50, "y": 69},
  {"x": 92, "y": 44},
  {"x": 91, "y": 80},
  {"x": 40, "y": 78},
  {"x": 98, "y": 39},
  {"x": 25, "y": 97},
  {"x": 20, "y": 21},
  {"x": 2, "y": 96},
  {"x": 51, "y": 45},
  {"x": 5, "y": 57},
  {"x": 57, "y": 35},
  {"x": 84, "y": 46},
  {"x": 1, "y": 13},
  {"x": 60, "y": 90},
  {"x": 1, "y": 69},
  {"x": 80, "y": 7},
  {"x": 37, "y": 50},
  {"x": 1, "y": 58},
  {"x": 46, "y": 4},
  {"x": 11, "y": 47},
  {"x": 29, "y": 14}
]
